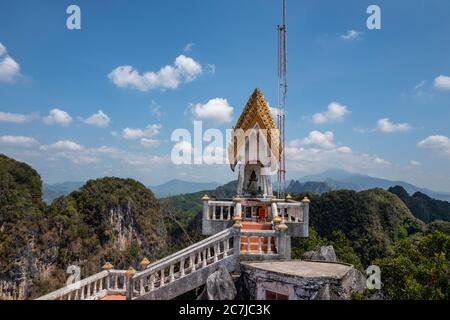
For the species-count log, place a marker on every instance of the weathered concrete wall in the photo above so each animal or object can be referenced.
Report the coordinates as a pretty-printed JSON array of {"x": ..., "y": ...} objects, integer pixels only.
[
  {"x": 254, "y": 282},
  {"x": 211, "y": 227}
]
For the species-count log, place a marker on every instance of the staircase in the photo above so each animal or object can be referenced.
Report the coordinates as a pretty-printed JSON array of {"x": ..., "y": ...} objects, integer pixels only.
[
  {"x": 182, "y": 271},
  {"x": 256, "y": 244}
]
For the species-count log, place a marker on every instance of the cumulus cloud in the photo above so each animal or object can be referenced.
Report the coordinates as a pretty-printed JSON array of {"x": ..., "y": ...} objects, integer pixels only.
[
  {"x": 99, "y": 119},
  {"x": 58, "y": 116},
  {"x": 184, "y": 70},
  {"x": 315, "y": 138},
  {"x": 9, "y": 68},
  {"x": 16, "y": 117},
  {"x": 63, "y": 145},
  {"x": 438, "y": 143},
  {"x": 442, "y": 82},
  {"x": 149, "y": 143},
  {"x": 188, "y": 47},
  {"x": 352, "y": 35},
  {"x": 335, "y": 113},
  {"x": 17, "y": 141},
  {"x": 217, "y": 110},
  {"x": 387, "y": 126},
  {"x": 136, "y": 133}
]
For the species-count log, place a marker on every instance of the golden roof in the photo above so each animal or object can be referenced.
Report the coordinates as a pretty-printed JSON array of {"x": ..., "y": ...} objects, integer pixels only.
[
  {"x": 256, "y": 109},
  {"x": 256, "y": 113}
]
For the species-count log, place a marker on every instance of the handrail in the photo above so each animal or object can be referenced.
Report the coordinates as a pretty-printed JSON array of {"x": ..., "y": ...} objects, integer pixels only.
[
  {"x": 79, "y": 285},
  {"x": 182, "y": 253}
]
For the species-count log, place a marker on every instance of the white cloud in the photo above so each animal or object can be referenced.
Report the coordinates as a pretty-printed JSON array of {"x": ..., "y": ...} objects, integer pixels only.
[
  {"x": 315, "y": 138},
  {"x": 442, "y": 82},
  {"x": 438, "y": 143},
  {"x": 155, "y": 109},
  {"x": 16, "y": 117},
  {"x": 188, "y": 47},
  {"x": 135, "y": 133},
  {"x": 17, "y": 141},
  {"x": 352, "y": 35},
  {"x": 58, "y": 116},
  {"x": 275, "y": 112},
  {"x": 149, "y": 143},
  {"x": 99, "y": 119},
  {"x": 9, "y": 68},
  {"x": 386, "y": 126},
  {"x": 415, "y": 163},
  {"x": 63, "y": 145},
  {"x": 217, "y": 110},
  {"x": 335, "y": 112},
  {"x": 183, "y": 70}
]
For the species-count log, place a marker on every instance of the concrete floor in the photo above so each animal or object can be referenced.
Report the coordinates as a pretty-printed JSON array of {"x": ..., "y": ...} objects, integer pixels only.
[{"x": 305, "y": 269}]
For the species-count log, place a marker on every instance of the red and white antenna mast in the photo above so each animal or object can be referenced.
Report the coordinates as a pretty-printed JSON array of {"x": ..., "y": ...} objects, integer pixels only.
[{"x": 282, "y": 93}]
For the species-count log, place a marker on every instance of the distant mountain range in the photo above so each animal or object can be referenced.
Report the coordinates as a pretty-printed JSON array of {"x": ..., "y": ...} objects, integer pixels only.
[
  {"x": 56, "y": 190},
  {"x": 176, "y": 187},
  {"x": 170, "y": 188},
  {"x": 340, "y": 179},
  {"x": 319, "y": 183}
]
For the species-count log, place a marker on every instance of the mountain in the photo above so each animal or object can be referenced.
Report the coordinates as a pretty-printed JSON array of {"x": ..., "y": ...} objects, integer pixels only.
[
  {"x": 56, "y": 190},
  {"x": 371, "y": 220},
  {"x": 422, "y": 206},
  {"x": 108, "y": 219},
  {"x": 175, "y": 187},
  {"x": 336, "y": 179}
]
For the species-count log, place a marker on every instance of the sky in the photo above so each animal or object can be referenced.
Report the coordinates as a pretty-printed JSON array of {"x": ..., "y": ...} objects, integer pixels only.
[{"x": 105, "y": 99}]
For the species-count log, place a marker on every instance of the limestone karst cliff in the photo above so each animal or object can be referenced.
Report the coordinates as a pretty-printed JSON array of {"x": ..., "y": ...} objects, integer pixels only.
[{"x": 109, "y": 219}]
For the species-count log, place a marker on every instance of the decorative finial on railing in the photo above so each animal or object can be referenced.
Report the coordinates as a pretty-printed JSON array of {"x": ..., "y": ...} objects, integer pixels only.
[
  {"x": 144, "y": 263},
  {"x": 237, "y": 198},
  {"x": 107, "y": 266},
  {"x": 205, "y": 198},
  {"x": 306, "y": 200},
  {"x": 130, "y": 272},
  {"x": 289, "y": 197}
]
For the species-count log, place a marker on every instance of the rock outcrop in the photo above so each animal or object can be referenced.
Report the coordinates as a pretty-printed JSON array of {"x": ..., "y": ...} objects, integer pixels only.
[
  {"x": 325, "y": 253},
  {"x": 219, "y": 286}
]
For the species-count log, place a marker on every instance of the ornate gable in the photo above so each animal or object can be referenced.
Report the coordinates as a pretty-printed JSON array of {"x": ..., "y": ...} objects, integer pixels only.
[{"x": 256, "y": 113}]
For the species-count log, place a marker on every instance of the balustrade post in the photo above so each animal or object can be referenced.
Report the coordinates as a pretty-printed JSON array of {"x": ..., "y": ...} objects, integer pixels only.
[
  {"x": 205, "y": 260},
  {"x": 216, "y": 252},
  {"x": 221, "y": 212},
  {"x": 305, "y": 202},
  {"x": 191, "y": 262},
  {"x": 269, "y": 244},
  {"x": 182, "y": 267},
  {"x": 151, "y": 285},
  {"x": 162, "y": 278},
  {"x": 171, "y": 273},
  {"x": 259, "y": 245},
  {"x": 226, "y": 247},
  {"x": 248, "y": 244}
]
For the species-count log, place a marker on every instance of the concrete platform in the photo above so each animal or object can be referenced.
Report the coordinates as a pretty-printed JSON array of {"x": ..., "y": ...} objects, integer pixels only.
[
  {"x": 303, "y": 269},
  {"x": 299, "y": 280}
]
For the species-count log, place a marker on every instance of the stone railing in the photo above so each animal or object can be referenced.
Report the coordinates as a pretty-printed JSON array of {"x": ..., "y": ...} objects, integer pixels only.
[
  {"x": 187, "y": 264},
  {"x": 291, "y": 211},
  {"x": 92, "y": 288},
  {"x": 266, "y": 244},
  {"x": 220, "y": 210}
]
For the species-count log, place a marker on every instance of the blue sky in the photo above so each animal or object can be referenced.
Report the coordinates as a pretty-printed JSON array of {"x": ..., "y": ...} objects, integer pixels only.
[{"x": 369, "y": 101}]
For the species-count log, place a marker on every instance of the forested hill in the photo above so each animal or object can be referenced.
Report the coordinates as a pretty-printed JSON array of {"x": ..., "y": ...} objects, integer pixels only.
[
  {"x": 109, "y": 219},
  {"x": 422, "y": 206}
]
